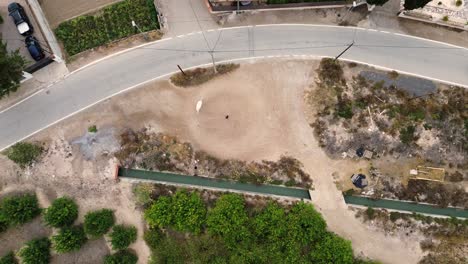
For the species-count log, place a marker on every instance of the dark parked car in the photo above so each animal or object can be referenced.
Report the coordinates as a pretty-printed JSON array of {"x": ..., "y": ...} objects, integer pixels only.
[
  {"x": 34, "y": 48},
  {"x": 20, "y": 18}
]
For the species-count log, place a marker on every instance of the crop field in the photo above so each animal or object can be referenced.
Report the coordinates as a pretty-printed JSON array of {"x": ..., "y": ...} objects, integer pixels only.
[{"x": 111, "y": 23}]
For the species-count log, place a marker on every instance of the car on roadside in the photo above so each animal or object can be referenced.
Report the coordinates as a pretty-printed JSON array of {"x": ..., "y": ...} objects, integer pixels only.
[
  {"x": 21, "y": 20},
  {"x": 34, "y": 48}
]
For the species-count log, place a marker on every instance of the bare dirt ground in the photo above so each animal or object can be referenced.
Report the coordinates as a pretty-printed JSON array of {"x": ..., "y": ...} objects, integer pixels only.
[
  {"x": 58, "y": 11},
  {"x": 266, "y": 109}
]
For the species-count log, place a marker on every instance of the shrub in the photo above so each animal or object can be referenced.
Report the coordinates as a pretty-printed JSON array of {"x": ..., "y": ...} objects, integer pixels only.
[
  {"x": 370, "y": 212},
  {"x": 62, "y": 212},
  {"x": 201, "y": 75},
  {"x": 153, "y": 237},
  {"x": 97, "y": 223},
  {"x": 445, "y": 18},
  {"x": 36, "y": 251},
  {"x": 92, "y": 129},
  {"x": 121, "y": 257},
  {"x": 1, "y": 19},
  {"x": 458, "y": 3},
  {"x": 332, "y": 249},
  {"x": 183, "y": 212},
  {"x": 23, "y": 153},
  {"x": 229, "y": 219},
  {"x": 330, "y": 71},
  {"x": 142, "y": 192},
  {"x": 407, "y": 134},
  {"x": 69, "y": 239},
  {"x": 8, "y": 258},
  {"x": 122, "y": 236},
  {"x": 19, "y": 209}
]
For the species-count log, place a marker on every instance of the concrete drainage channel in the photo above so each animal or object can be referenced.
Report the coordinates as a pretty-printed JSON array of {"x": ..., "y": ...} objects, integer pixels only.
[
  {"x": 280, "y": 191},
  {"x": 210, "y": 183}
]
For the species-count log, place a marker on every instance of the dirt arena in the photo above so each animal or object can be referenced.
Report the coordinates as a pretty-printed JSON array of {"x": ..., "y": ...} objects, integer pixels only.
[{"x": 265, "y": 105}]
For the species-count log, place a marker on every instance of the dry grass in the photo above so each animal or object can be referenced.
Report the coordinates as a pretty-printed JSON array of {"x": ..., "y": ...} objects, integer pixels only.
[{"x": 201, "y": 75}]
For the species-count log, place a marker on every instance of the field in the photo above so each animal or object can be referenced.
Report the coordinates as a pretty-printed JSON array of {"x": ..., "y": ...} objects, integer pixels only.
[
  {"x": 111, "y": 23},
  {"x": 270, "y": 116}
]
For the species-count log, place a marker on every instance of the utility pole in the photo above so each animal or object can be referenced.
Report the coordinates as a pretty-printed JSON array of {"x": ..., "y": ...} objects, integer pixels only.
[
  {"x": 339, "y": 55},
  {"x": 182, "y": 71},
  {"x": 238, "y": 6},
  {"x": 213, "y": 61},
  {"x": 135, "y": 25}
]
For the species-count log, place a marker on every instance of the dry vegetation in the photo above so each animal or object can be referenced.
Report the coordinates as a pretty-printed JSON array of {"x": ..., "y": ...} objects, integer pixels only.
[
  {"x": 199, "y": 76},
  {"x": 388, "y": 120},
  {"x": 161, "y": 152},
  {"x": 444, "y": 239}
]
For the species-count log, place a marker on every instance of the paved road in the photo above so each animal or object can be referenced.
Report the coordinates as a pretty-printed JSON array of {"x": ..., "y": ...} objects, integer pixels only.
[{"x": 115, "y": 74}]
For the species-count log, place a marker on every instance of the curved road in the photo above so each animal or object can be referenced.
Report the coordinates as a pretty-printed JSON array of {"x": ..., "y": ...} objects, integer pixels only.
[{"x": 115, "y": 74}]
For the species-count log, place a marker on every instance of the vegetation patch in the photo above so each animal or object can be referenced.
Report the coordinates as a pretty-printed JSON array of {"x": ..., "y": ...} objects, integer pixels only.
[
  {"x": 24, "y": 153},
  {"x": 122, "y": 236},
  {"x": 98, "y": 223},
  {"x": 9, "y": 258},
  {"x": 237, "y": 233},
  {"x": 111, "y": 23},
  {"x": 69, "y": 239},
  {"x": 18, "y": 210},
  {"x": 36, "y": 251},
  {"x": 201, "y": 75},
  {"x": 63, "y": 212},
  {"x": 121, "y": 257},
  {"x": 11, "y": 69},
  {"x": 383, "y": 118},
  {"x": 161, "y": 152}
]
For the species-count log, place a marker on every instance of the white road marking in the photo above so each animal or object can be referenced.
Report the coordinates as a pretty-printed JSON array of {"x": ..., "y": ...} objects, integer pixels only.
[{"x": 17, "y": 103}]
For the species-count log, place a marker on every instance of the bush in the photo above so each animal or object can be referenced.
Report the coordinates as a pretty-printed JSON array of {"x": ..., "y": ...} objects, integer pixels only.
[
  {"x": 62, "y": 212},
  {"x": 97, "y": 223},
  {"x": 23, "y": 153},
  {"x": 201, "y": 75},
  {"x": 458, "y": 3},
  {"x": 92, "y": 129},
  {"x": 121, "y": 257},
  {"x": 445, "y": 18},
  {"x": 183, "y": 212},
  {"x": 122, "y": 236},
  {"x": 407, "y": 134},
  {"x": 153, "y": 237},
  {"x": 142, "y": 192},
  {"x": 370, "y": 212},
  {"x": 69, "y": 239},
  {"x": 332, "y": 249},
  {"x": 1, "y": 19},
  {"x": 18, "y": 210},
  {"x": 112, "y": 23},
  {"x": 36, "y": 251},
  {"x": 8, "y": 258},
  {"x": 330, "y": 71}
]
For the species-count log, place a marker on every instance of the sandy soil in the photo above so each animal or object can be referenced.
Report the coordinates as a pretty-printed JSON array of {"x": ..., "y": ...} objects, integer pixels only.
[
  {"x": 58, "y": 11},
  {"x": 266, "y": 119}
]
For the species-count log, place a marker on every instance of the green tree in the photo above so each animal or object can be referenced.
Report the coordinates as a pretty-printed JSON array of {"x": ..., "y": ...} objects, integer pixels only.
[
  {"x": 189, "y": 211},
  {"x": 153, "y": 237},
  {"x": 97, "y": 223},
  {"x": 160, "y": 213},
  {"x": 229, "y": 220},
  {"x": 62, "y": 212},
  {"x": 11, "y": 69},
  {"x": 36, "y": 251},
  {"x": 69, "y": 239},
  {"x": 121, "y": 257},
  {"x": 305, "y": 224},
  {"x": 332, "y": 249},
  {"x": 122, "y": 236},
  {"x": 24, "y": 153},
  {"x": 19, "y": 209},
  {"x": 9, "y": 258}
]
